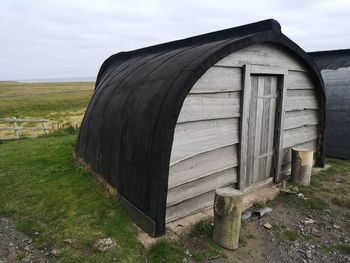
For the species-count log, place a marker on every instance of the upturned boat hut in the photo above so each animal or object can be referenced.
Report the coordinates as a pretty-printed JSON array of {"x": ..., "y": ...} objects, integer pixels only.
[{"x": 169, "y": 124}]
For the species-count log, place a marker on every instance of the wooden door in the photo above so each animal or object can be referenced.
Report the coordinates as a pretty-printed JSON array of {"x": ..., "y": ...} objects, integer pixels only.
[{"x": 261, "y": 128}]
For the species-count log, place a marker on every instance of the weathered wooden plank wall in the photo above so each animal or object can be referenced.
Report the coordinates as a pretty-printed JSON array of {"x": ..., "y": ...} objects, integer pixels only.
[{"x": 205, "y": 148}]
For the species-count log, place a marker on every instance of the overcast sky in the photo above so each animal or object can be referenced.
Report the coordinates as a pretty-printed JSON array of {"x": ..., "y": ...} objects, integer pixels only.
[{"x": 71, "y": 38}]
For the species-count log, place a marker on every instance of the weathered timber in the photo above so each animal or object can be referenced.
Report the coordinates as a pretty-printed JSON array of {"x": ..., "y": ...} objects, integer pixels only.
[
  {"x": 302, "y": 162},
  {"x": 227, "y": 217}
]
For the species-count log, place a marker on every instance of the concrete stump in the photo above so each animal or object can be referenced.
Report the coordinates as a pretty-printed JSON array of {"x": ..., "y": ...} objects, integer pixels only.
[
  {"x": 302, "y": 161},
  {"x": 227, "y": 217}
]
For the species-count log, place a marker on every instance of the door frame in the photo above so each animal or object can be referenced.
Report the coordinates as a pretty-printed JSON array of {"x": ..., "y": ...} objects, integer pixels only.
[{"x": 282, "y": 74}]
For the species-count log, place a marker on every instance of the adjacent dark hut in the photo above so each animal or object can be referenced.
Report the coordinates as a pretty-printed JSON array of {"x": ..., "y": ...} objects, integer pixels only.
[
  {"x": 169, "y": 124},
  {"x": 335, "y": 70}
]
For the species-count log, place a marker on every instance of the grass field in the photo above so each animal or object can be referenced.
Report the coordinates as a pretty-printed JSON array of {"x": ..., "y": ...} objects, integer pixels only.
[
  {"x": 43, "y": 99},
  {"x": 63, "y": 104},
  {"x": 46, "y": 193}
]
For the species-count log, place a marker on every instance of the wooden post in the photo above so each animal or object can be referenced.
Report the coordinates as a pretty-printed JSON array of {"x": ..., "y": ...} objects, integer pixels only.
[
  {"x": 302, "y": 161},
  {"x": 15, "y": 127},
  {"x": 227, "y": 217},
  {"x": 44, "y": 127}
]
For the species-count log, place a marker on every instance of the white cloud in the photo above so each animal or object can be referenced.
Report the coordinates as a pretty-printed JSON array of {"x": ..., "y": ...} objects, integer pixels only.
[{"x": 65, "y": 38}]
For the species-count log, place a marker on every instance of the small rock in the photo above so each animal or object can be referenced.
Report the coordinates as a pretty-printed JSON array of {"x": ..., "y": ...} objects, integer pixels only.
[
  {"x": 187, "y": 252},
  {"x": 308, "y": 221},
  {"x": 336, "y": 226},
  {"x": 27, "y": 248},
  {"x": 30, "y": 241},
  {"x": 68, "y": 241},
  {"x": 296, "y": 244},
  {"x": 55, "y": 252},
  {"x": 105, "y": 244},
  {"x": 268, "y": 225},
  {"x": 308, "y": 254},
  {"x": 295, "y": 189},
  {"x": 36, "y": 233}
]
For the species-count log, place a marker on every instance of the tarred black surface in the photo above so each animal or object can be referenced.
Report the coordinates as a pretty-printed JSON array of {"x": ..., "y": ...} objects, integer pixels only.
[
  {"x": 332, "y": 59},
  {"x": 127, "y": 132},
  {"x": 338, "y": 101}
]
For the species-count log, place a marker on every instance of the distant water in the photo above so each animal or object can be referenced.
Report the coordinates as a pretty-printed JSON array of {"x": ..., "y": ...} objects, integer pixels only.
[{"x": 82, "y": 79}]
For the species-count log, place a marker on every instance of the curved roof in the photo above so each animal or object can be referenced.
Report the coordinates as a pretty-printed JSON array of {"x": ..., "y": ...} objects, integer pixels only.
[
  {"x": 337, "y": 84},
  {"x": 332, "y": 59},
  {"x": 127, "y": 131}
]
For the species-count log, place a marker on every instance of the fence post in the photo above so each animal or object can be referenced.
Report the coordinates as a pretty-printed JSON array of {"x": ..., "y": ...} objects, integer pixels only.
[
  {"x": 44, "y": 127},
  {"x": 15, "y": 127}
]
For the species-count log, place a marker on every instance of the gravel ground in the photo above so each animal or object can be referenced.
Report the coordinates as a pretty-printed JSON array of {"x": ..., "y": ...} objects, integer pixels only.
[{"x": 16, "y": 247}]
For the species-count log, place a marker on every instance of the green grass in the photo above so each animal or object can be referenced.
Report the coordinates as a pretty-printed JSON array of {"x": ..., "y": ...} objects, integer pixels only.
[
  {"x": 336, "y": 167},
  {"x": 343, "y": 201},
  {"x": 203, "y": 231},
  {"x": 291, "y": 235},
  {"x": 308, "y": 237},
  {"x": 311, "y": 205},
  {"x": 28, "y": 227},
  {"x": 46, "y": 193},
  {"x": 165, "y": 251},
  {"x": 43, "y": 105},
  {"x": 258, "y": 205},
  {"x": 203, "y": 228},
  {"x": 345, "y": 248},
  {"x": 51, "y": 199}
]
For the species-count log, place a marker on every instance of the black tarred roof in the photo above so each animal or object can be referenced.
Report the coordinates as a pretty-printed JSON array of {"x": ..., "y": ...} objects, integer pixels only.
[{"x": 332, "y": 59}]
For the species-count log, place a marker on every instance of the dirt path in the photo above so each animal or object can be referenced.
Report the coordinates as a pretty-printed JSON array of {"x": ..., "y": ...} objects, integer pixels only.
[
  {"x": 15, "y": 246},
  {"x": 290, "y": 239},
  {"x": 311, "y": 227}
]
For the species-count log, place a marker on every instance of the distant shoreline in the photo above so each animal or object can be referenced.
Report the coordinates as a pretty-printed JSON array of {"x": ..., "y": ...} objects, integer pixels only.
[{"x": 49, "y": 80}]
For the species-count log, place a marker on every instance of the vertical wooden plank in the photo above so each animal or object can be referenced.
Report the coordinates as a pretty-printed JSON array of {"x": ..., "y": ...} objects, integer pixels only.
[
  {"x": 265, "y": 127},
  {"x": 272, "y": 120},
  {"x": 246, "y": 94},
  {"x": 257, "y": 139},
  {"x": 280, "y": 125},
  {"x": 252, "y": 129}
]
